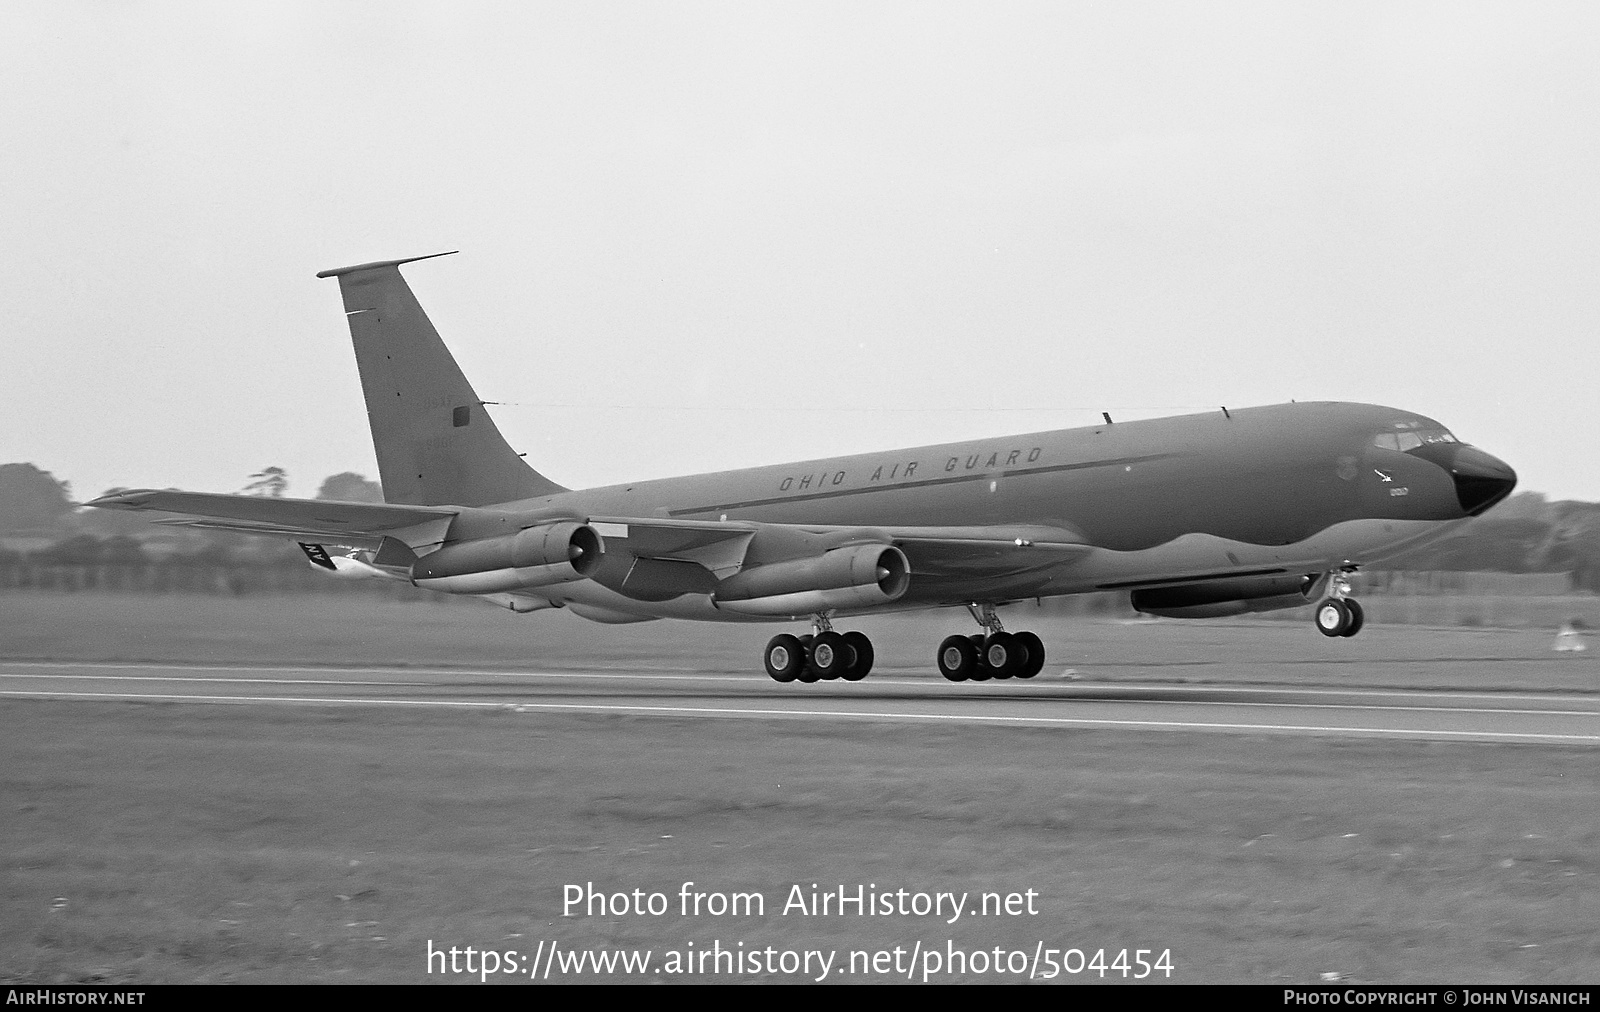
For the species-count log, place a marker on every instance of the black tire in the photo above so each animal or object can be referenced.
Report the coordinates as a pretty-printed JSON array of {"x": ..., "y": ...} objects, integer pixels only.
[
  {"x": 1002, "y": 655},
  {"x": 1035, "y": 647},
  {"x": 1358, "y": 617},
  {"x": 864, "y": 656},
  {"x": 957, "y": 658},
  {"x": 785, "y": 657},
  {"x": 1332, "y": 617},
  {"x": 981, "y": 672},
  {"x": 806, "y": 674},
  {"x": 830, "y": 657}
]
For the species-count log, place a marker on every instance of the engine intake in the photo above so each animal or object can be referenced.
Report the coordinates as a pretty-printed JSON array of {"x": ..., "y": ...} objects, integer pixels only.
[
  {"x": 534, "y": 557},
  {"x": 859, "y": 576}
]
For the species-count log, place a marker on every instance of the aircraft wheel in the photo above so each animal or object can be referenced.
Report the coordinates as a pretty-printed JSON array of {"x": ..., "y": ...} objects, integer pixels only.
[
  {"x": 785, "y": 657},
  {"x": 830, "y": 657},
  {"x": 1358, "y": 617},
  {"x": 958, "y": 658},
  {"x": 863, "y": 656},
  {"x": 806, "y": 674},
  {"x": 1003, "y": 655},
  {"x": 982, "y": 672},
  {"x": 1035, "y": 647},
  {"x": 1333, "y": 617}
]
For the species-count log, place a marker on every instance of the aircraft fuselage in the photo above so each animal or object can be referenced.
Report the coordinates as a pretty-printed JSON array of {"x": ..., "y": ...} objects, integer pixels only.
[{"x": 1284, "y": 488}]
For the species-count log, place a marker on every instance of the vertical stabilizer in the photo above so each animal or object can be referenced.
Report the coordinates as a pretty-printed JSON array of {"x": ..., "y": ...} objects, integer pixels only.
[{"x": 436, "y": 444}]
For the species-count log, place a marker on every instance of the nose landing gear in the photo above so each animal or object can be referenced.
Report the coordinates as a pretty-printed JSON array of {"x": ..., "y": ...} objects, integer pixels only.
[{"x": 1339, "y": 615}]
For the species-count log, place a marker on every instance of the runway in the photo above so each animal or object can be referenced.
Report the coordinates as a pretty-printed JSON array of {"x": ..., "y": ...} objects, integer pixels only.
[{"x": 1549, "y": 718}]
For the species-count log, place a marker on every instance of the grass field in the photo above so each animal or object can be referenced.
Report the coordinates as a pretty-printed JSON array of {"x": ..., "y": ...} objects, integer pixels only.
[
  {"x": 179, "y": 842},
  {"x": 194, "y": 843}
]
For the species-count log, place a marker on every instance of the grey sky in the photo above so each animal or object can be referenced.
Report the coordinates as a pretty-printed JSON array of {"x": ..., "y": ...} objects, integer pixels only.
[{"x": 699, "y": 236}]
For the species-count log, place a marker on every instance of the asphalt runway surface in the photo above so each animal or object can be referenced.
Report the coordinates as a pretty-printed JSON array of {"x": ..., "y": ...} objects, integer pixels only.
[{"x": 1547, "y": 718}]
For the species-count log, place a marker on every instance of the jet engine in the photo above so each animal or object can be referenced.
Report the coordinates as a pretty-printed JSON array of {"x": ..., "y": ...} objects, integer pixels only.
[
  {"x": 858, "y": 576},
  {"x": 534, "y": 557},
  {"x": 1220, "y": 598}
]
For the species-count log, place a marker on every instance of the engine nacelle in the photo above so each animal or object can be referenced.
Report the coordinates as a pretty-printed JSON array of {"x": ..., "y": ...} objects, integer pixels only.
[
  {"x": 534, "y": 557},
  {"x": 1221, "y": 598},
  {"x": 859, "y": 576}
]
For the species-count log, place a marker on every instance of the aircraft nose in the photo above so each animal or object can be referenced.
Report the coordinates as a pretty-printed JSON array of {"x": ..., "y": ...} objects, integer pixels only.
[{"x": 1481, "y": 480}]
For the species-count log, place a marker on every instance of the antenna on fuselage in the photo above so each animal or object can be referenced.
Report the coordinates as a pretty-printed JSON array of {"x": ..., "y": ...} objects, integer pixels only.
[{"x": 1107, "y": 416}]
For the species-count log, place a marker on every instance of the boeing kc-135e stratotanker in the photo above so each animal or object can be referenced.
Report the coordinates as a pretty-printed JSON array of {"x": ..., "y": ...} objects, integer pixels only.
[{"x": 1198, "y": 516}]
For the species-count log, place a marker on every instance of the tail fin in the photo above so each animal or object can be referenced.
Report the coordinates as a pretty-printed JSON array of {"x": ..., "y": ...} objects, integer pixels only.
[{"x": 435, "y": 443}]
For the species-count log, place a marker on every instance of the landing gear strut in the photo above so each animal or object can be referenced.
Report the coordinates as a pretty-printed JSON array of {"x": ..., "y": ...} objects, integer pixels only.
[
  {"x": 821, "y": 656},
  {"x": 998, "y": 654},
  {"x": 1339, "y": 615}
]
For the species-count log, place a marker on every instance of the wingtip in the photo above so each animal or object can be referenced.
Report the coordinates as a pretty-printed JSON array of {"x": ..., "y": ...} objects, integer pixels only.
[{"x": 339, "y": 271}]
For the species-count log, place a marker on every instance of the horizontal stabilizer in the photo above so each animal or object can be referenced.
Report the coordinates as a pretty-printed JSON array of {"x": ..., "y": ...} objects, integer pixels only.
[
  {"x": 269, "y": 510},
  {"x": 337, "y": 271},
  {"x": 354, "y": 522},
  {"x": 348, "y": 538}
]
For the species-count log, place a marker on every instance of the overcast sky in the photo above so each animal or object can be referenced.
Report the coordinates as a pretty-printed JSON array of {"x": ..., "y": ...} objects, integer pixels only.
[{"x": 703, "y": 236}]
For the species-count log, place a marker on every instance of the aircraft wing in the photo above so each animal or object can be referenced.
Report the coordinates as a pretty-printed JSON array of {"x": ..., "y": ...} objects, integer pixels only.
[
  {"x": 977, "y": 552},
  {"x": 986, "y": 551},
  {"x": 356, "y": 524},
  {"x": 722, "y": 548}
]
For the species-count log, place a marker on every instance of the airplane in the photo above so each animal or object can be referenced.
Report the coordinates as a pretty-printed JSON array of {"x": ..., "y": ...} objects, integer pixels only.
[{"x": 1196, "y": 516}]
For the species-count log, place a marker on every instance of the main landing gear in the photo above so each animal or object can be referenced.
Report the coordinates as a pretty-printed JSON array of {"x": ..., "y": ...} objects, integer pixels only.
[
  {"x": 826, "y": 655},
  {"x": 998, "y": 654},
  {"x": 1339, "y": 615},
  {"x": 822, "y": 656}
]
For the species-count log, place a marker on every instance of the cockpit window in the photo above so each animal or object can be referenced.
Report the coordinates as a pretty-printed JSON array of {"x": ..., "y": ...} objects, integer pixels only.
[{"x": 1410, "y": 440}]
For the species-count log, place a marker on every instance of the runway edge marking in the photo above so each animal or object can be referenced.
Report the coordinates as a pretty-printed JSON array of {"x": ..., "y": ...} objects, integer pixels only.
[{"x": 853, "y": 714}]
